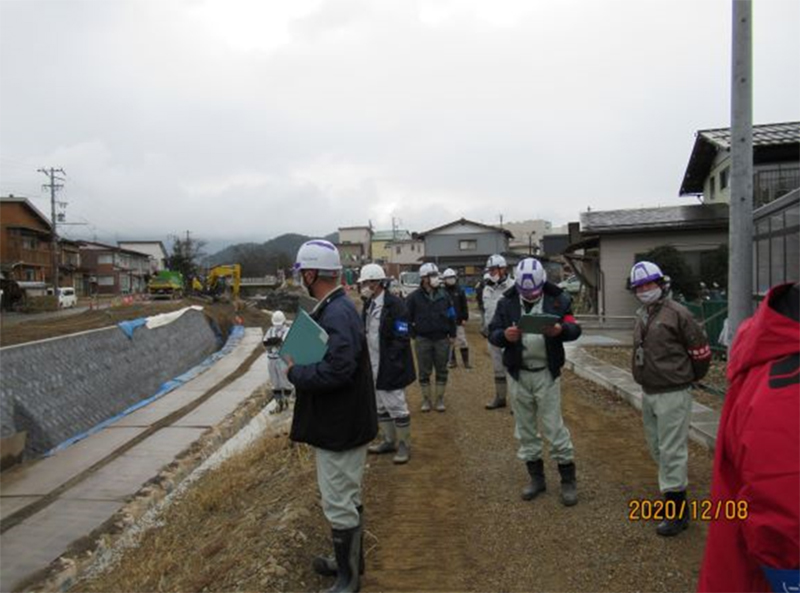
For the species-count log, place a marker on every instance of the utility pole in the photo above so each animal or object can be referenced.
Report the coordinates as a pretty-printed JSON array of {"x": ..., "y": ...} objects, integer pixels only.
[
  {"x": 740, "y": 227},
  {"x": 53, "y": 186}
]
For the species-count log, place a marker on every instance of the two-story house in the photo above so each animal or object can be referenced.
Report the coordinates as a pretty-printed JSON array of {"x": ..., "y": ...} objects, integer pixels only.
[
  {"x": 155, "y": 249},
  {"x": 465, "y": 246},
  {"x": 776, "y": 194},
  {"x": 355, "y": 245},
  {"x": 112, "y": 270},
  {"x": 25, "y": 241}
]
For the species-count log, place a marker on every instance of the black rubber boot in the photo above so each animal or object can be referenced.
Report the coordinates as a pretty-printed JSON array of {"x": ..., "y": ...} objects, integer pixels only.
[
  {"x": 465, "y": 358},
  {"x": 677, "y": 520},
  {"x": 326, "y": 565},
  {"x": 347, "y": 549},
  {"x": 500, "y": 388},
  {"x": 537, "y": 485},
  {"x": 569, "y": 492}
]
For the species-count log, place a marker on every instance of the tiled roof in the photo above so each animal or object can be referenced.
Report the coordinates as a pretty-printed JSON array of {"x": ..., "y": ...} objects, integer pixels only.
[
  {"x": 769, "y": 141},
  {"x": 649, "y": 219}
]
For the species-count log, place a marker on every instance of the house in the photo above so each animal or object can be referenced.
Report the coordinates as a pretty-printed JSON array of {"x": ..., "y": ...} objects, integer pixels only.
[
  {"x": 155, "y": 249},
  {"x": 776, "y": 164},
  {"x": 404, "y": 255},
  {"x": 465, "y": 246},
  {"x": 25, "y": 241},
  {"x": 528, "y": 235},
  {"x": 113, "y": 270},
  {"x": 355, "y": 245},
  {"x": 380, "y": 243},
  {"x": 613, "y": 239}
]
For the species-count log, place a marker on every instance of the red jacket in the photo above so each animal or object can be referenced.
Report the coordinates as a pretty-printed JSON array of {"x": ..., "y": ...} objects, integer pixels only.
[{"x": 757, "y": 456}]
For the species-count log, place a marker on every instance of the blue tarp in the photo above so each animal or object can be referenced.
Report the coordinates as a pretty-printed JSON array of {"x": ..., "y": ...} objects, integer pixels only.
[{"x": 128, "y": 327}]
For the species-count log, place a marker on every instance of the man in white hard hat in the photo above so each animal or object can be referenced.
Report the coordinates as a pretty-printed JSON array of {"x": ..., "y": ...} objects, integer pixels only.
[
  {"x": 433, "y": 326},
  {"x": 534, "y": 362},
  {"x": 273, "y": 338},
  {"x": 459, "y": 298},
  {"x": 670, "y": 352},
  {"x": 335, "y": 408},
  {"x": 388, "y": 337},
  {"x": 497, "y": 283}
]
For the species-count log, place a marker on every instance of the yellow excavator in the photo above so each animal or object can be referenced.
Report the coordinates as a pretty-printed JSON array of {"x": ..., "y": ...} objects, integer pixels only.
[{"x": 223, "y": 282}]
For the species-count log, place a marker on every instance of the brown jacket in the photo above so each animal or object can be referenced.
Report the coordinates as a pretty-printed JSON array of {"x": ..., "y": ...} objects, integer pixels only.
[{"x": 676, "y": 350}]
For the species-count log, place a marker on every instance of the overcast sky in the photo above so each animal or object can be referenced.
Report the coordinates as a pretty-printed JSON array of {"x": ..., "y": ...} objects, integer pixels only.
[{"x": 240, "y": 120}]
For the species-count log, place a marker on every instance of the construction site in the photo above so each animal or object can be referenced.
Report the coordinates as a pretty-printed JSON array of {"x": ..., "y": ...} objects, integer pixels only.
[{"x": 187, "y": 481}]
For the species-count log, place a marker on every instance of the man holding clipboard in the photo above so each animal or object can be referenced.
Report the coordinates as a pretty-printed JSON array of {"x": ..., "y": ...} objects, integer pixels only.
[
  {"x": 532, "y": 321},
  {"x": 335, "y": 409}
]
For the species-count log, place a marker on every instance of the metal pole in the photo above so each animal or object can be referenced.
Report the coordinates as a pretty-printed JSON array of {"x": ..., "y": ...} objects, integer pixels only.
[{"x": 740, "y": 229}]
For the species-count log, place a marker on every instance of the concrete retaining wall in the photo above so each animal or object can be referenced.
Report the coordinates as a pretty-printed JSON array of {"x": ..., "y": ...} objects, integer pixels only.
[{"x": 58, "y": 388}]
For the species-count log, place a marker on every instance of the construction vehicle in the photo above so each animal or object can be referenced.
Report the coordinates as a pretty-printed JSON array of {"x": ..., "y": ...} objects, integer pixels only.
[
  {"x": 166, "y": 285},
  {"x": 223, "y": 282}
]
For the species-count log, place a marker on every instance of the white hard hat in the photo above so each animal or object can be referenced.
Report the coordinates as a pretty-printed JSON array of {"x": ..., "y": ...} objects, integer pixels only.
[
  {"x": 371, "y": 272},
  {"x": 449, "y": 273},
  {"x": 278, "y": 318},
  {"x": 530, "y": 277},
  {"x": 643, "y": 272},
  {"x": 318, "y": 254},
  {"x": 428, "y": 269},
  {"x": 496, "y": 261}
]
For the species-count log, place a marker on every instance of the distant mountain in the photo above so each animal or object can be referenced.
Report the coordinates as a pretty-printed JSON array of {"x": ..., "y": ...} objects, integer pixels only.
[{"x": 258, "y": 259}]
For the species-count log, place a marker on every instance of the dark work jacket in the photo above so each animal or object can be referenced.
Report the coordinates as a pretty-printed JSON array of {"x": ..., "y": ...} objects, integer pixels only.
[
  {"x": 459, "y": 298},
  {"x": 509, "y": 310},
  {"x": 335, "y": 405},
  {"x": 432, "y": 317},
  {"x": 396, "y": 366}
]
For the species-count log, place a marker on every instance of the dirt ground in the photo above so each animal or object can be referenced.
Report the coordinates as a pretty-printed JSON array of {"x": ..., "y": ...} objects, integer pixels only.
[
  {"x": 450, "y": 520},
  {"x": 40, "y": 327},
  {"x": 710, "y": 392}
]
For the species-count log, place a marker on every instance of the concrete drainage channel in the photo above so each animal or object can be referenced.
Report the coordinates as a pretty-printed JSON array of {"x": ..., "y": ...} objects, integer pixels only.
[{"x": 57, "y": 513}]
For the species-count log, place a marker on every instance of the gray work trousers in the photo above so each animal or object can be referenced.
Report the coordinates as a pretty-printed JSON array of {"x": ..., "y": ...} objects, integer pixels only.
[
  {"x": 666, "y": 419},
  {"x": 430, "y": 354},
  {"x": 339, "y": 475}
]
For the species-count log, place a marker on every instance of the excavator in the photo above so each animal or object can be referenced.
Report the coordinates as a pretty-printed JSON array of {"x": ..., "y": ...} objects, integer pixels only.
[{"x": 222, "y": 282}]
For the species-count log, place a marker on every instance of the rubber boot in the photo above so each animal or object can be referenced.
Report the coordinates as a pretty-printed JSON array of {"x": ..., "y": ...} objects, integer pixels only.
[
  {"x": 403, "y": 444},
  {"x": 277, "y": 395},
  {"x": 465, "y": 358},
  {"x": 499, "y": 401},
  {"x": 452, "y": 363},
  {"x": 387, "y": 445},
  {"x": 347, "y": 550},
  {"x": 426, "y": 398},
  {"x": 440, "y": 397},
  {"x": 326, "y": 565},
  {"x": 679, "y": 517},
  {"x": 569, "y": 488},
  {"x": 537, "y": 485}
]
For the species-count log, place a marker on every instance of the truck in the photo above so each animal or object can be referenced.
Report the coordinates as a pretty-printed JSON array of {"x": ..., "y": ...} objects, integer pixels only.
[{"x": 166, "y": 284}]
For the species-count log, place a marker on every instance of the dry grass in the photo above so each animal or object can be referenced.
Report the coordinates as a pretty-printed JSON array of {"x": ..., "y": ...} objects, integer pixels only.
[{"x": 237, "y": 528}]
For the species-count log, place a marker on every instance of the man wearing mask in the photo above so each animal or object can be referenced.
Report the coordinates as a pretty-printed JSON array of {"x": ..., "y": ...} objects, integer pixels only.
[
  {"x": 670, "y": 352},
  {"x": 534, "y": 363},
  {"x": 335, "y": 408},
  {"x": 459, "y": 298},
  {"x": 432, "y": 320},
  {"x": 386, "y": 323},
  {"x": 495, "y": 285}
]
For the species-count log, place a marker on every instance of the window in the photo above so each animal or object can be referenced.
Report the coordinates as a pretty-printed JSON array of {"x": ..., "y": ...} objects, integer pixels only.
[
  {"x": 397, "y": 250},
  {"x": 105, "y": 280},
  {"x": 712, "y": 187},
  {"x": 29, "y": 242},
  {"x": 105, "y": 258},
  {"x": 723, "y": 178},
  {"x": 467, "y": 245}
]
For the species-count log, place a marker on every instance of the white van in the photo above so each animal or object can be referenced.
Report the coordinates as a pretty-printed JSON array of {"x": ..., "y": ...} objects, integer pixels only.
[{"x": 67, "y": 297}]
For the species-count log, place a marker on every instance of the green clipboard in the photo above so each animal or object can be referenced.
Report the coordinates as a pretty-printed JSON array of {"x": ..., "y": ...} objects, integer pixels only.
[
  {"x": 306, "y": 341},
  {"x": 535, "y": 323}
]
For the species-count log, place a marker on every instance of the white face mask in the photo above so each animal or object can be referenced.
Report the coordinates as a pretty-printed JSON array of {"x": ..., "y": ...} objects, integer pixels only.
[
  {"x": 450, "y": 282},
  {"x": 435, "y": 282},
  {"x": 367, "y": 292},
  {"x": 494, "y": 278},
  {"x": 648, "y": 297}
]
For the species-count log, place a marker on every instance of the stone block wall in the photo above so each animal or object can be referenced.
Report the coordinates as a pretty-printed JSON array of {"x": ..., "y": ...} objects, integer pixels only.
[{"x": 58, "y": 388}]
